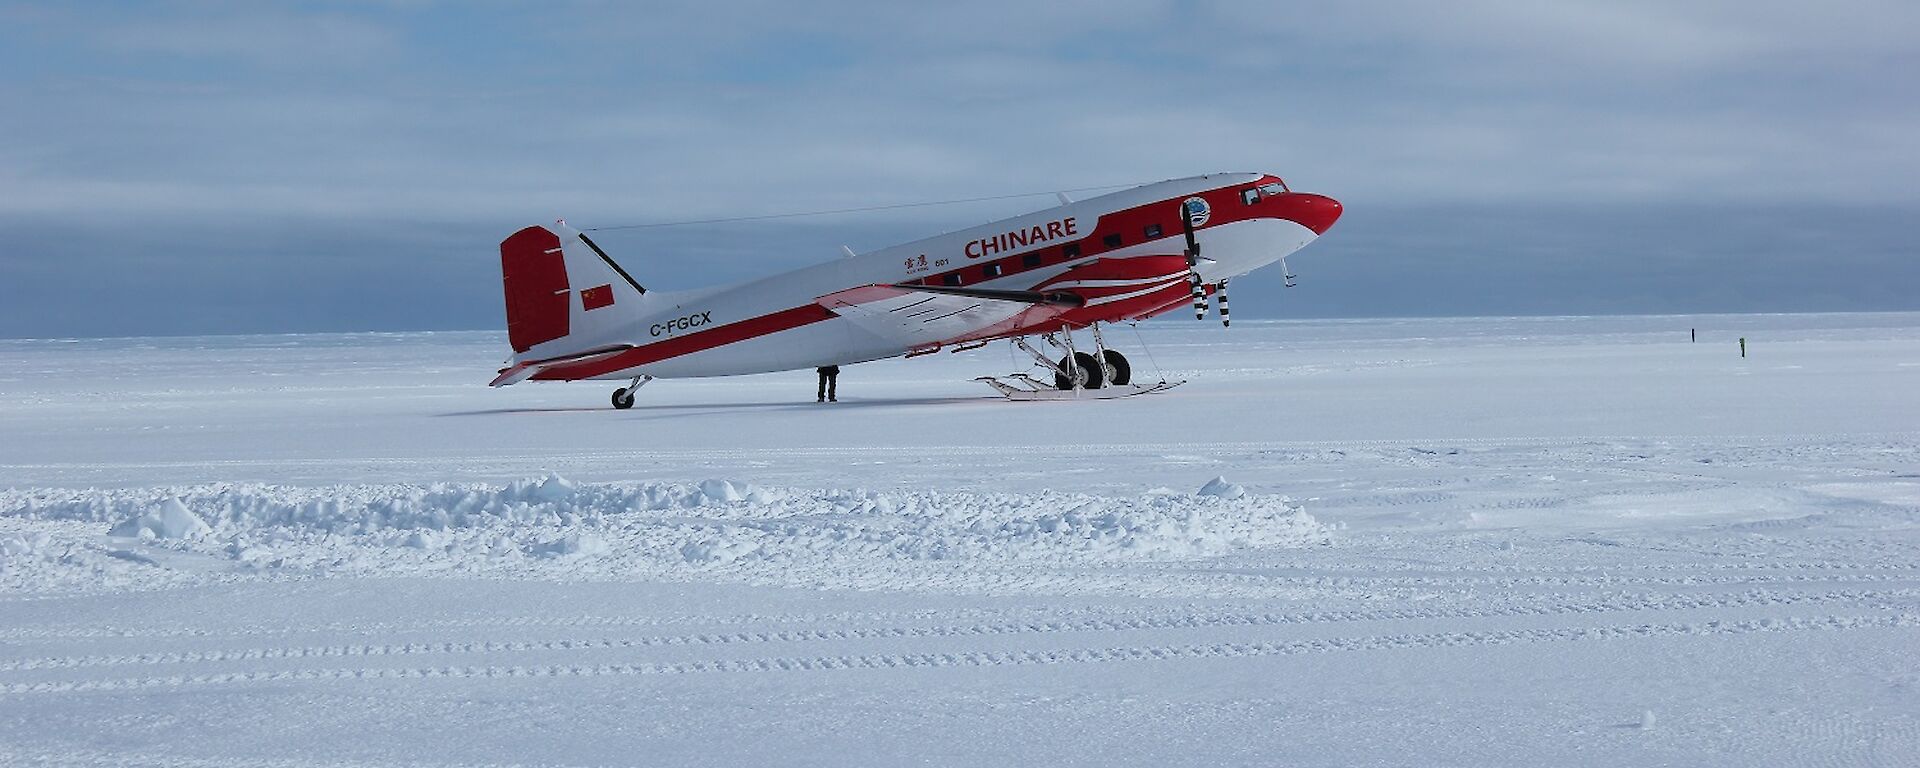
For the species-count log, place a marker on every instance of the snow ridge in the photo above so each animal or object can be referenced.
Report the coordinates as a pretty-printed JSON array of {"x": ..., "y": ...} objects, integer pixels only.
[{"x": 712, "y": 529}]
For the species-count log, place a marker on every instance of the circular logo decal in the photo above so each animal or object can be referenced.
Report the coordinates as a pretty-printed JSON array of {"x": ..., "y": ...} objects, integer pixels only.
[{"x": 1197, "y": 211}]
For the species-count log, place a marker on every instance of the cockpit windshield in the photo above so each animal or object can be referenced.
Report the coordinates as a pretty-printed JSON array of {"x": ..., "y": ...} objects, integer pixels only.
[{"x": 1277, "y": 187}]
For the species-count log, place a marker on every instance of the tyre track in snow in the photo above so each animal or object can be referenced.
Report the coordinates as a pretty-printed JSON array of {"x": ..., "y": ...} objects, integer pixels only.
[
  {"x": 509, "y": 622},
  {"x": 1903, "y": 569},
  {"x": 1783, "y": 574},
  {"x": 884, "y": 661},
  {"x": 1186, "y": 580},
  {"x": 1031, "y": 627}
]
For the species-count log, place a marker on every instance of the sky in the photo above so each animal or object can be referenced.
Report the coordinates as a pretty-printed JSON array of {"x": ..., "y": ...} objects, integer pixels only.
[{"x": 251, "y": 167}]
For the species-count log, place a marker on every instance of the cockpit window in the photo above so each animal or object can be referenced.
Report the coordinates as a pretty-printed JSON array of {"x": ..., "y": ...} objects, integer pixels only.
[
  {"x": 1273, "y": 189},
  {"x": 1250, "y": 195}
]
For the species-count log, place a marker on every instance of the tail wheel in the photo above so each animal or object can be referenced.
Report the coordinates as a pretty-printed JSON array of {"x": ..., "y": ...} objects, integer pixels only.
[
  {"x": 1119, "y": 372},
  {"x": 1086, "y": 368},
  {"x": 623, "y": 398}
]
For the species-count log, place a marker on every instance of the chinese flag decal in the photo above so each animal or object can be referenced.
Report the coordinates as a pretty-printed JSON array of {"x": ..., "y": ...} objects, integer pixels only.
[{"x": 596, "y": 297}]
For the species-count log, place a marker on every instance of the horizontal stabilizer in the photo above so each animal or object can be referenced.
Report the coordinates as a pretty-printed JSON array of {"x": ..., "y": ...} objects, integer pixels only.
[{"x": 524, "y": 370}]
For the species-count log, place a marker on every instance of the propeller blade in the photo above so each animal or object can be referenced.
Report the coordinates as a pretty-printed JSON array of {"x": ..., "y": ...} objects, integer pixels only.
[
  {"x": 1193, "y": 263},
  {"x": 1193, "y": 246}
]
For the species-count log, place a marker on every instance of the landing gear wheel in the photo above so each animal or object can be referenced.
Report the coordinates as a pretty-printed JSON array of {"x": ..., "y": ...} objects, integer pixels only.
[
  {"x": 1086, "y": 367},
  {"x": 623, "y": 398},
  {"x": 1119, "y": 373}
]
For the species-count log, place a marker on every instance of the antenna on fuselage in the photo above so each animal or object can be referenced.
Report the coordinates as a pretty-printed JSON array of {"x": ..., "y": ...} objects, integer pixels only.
[{"x": 611, "y": 263}]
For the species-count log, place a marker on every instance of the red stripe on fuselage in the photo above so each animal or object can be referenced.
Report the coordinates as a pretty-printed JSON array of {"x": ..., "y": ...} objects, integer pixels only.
[
  {"x": 1226, "y": 205},
  {"x": 688, "y": 344}
]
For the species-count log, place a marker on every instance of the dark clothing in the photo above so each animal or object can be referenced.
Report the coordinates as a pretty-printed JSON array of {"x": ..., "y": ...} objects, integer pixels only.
[{"x": 829, "y": 380}]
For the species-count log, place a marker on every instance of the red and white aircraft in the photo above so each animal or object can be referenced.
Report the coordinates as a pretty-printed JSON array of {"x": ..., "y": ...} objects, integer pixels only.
[{"x": 573, "y": 313}]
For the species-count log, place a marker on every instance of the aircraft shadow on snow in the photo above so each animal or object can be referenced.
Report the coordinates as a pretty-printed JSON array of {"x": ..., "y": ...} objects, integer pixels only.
[{"x": 694, "y": 409}]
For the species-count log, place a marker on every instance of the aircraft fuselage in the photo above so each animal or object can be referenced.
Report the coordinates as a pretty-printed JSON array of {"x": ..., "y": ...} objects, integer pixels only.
[{"x": 803, "y": 318}]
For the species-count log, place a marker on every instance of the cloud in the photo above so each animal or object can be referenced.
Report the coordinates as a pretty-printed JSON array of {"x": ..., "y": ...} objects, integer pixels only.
[
  {"x": 353, "y": 123},
  {"x": 665, "y": 112},
  {"x": 1628, "y": 39}
]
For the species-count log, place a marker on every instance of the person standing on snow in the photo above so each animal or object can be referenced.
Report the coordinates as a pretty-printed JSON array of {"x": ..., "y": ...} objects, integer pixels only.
[{"x": 829, "y": 380}]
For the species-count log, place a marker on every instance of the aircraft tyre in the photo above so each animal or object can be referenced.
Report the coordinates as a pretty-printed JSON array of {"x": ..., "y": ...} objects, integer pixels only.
[
  {"x": 1089, "y": 369},
  {"x": 1119, "y": 372},
  {"x": 622, "y": 398}
]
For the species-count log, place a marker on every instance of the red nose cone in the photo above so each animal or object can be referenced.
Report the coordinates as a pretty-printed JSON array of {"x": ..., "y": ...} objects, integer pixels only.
[{"x": 1315, "y": 212}]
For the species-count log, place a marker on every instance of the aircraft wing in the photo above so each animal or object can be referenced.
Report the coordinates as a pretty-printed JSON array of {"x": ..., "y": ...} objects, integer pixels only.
[{"x": 927, "y": 316}]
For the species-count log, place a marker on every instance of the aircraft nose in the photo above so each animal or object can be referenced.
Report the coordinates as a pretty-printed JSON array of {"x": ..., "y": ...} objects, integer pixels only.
[{"x": 1315, "y": 212}]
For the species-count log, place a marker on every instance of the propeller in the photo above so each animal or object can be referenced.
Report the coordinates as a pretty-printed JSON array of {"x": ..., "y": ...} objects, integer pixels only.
[{"x": 1189, "y": 212}]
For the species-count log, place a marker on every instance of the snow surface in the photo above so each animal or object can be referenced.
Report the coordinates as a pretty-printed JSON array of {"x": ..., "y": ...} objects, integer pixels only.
[{"x": 1396, "y": 542}]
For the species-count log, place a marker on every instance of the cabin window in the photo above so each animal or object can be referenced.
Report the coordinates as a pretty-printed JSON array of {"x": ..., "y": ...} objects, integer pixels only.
[
  {"x": 1250, "y": 195},
  {"x": 1030, "y": 260},
  {"x": 990, "y": 271},
  {"x": 1112, "y": 241},
  {"x": 953, "y": 279},
  {"x": 1070, "y": 251},
  {"x": 1153, "y": 231}
]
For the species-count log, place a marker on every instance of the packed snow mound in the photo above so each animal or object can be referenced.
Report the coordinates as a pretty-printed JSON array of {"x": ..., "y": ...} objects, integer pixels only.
[
  {"x": 574, "y": 545},
  {"x": 721, "y": 491},
  {"x": 717, "y": 551},
  {"x": 24, "y": 546},
  {"x": 722, "y": 529},
  {"x": 552, "y": 488},
  {"x": 170, "y": 520},
  {"x": 1221, "y": 488}
]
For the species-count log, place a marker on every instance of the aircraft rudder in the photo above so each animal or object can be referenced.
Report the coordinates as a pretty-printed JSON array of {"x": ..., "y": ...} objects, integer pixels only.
[{"x": 533, "y": 276}]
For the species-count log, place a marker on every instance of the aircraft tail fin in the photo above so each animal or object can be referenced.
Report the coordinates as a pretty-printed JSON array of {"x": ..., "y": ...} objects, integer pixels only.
[{"x": 543, "y": 269}]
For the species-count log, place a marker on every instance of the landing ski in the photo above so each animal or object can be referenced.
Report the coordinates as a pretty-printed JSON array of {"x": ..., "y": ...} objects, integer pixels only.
[{"x": 1024, "y": 388}]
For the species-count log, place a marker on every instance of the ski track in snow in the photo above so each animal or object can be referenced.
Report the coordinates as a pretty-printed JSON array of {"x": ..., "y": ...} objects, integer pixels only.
[
  {"x": 1058, "y": 625},
  {"x": 1601, "y": 542}
]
